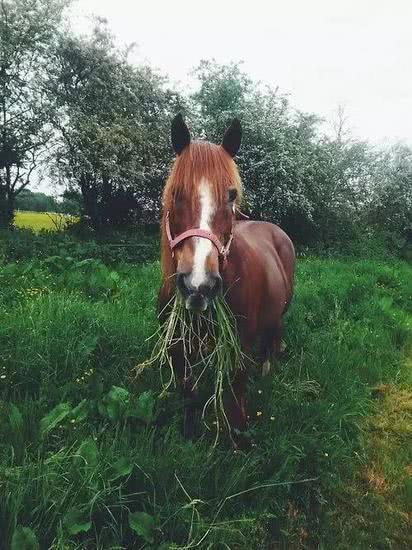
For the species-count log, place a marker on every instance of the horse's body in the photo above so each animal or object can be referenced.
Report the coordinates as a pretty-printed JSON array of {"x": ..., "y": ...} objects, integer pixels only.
[
  {"x": 258, "y": 279},
  {"x": 255, "y": 274}
]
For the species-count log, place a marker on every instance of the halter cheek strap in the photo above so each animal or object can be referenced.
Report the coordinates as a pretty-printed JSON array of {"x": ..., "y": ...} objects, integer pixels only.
[{"x": 222, "y": 250}]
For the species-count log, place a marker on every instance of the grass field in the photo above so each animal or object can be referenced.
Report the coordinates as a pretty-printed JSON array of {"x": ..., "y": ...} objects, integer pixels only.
[
  {"x": 40, "y": 220},
  {"x": 90, "y": 457}
]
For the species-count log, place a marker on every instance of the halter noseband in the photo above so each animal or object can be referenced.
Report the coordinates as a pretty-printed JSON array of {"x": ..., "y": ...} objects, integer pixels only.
[{"x": 222, "y": 250}]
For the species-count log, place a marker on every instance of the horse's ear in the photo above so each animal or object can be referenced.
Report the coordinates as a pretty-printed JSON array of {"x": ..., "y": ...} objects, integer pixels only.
[
  {"x": 180, "y": 134},
  {"x": 232, "y": 138}
]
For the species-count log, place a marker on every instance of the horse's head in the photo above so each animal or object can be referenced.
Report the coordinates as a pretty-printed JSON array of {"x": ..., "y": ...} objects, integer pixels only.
[{"x": 198, "y": 213}]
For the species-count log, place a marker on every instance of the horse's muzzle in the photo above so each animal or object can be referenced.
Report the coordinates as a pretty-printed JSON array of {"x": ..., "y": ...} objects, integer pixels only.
[{"x": 197, "y": 299}]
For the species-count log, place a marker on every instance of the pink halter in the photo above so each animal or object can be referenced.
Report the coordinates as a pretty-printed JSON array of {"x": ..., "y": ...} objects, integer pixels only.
[{"x": 222, "y": 250}]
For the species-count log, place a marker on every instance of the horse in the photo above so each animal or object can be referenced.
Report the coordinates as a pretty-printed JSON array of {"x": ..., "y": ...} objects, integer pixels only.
[{"x": 206, "y": 250}]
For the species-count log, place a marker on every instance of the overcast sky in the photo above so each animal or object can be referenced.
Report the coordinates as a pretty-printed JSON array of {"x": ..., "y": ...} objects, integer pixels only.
[{"x": 357, "y": 53}]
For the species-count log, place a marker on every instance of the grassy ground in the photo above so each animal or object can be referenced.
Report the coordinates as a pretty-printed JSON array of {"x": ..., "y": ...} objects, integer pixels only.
[
  {"x": 38, "y": 221},
  {"x": 92, "y": 458}
]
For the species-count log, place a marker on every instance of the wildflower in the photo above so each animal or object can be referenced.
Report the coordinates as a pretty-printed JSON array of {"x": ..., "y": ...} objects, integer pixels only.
[
  {"x": 272, "y": 418},
  {"x": 259, "y": 392},
  {"x": 258, "y": 413}
]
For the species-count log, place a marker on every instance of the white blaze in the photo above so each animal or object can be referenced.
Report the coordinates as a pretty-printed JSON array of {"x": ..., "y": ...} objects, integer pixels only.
[{"x": 202, "y": 246}]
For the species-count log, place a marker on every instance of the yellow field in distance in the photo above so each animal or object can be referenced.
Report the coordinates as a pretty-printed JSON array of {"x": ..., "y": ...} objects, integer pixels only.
[{"x": 41, "y": 220}]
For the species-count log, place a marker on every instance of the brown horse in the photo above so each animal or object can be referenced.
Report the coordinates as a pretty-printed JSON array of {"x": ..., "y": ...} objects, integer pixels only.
[{"x": 205, "y": 251}]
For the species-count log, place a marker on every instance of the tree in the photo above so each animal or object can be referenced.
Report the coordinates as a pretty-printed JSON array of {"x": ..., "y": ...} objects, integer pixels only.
[
  {"x": 391, "y": 198},
  {"x": 114, "y": 125},
  {"x": 27, "y": 36},
  {"x": 278, "y": 146},
  {"x": 315, "y": 187},
  {"x": 36, "y": 202}
]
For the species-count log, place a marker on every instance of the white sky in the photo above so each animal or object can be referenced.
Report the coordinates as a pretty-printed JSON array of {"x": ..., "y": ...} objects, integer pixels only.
[{"x": 357, "y": 53}]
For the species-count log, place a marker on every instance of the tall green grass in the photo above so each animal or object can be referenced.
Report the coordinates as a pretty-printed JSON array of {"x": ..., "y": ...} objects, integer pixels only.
[{"x": 90, "y": 457}]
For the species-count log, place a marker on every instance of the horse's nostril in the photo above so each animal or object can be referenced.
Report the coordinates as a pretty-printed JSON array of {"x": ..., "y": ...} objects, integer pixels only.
[
  {"x": 204, "y": 289},
  {"x": 182, "y": 283},
  {"x": 209, "y": 289},
  {"x": 212, "y": 287}
]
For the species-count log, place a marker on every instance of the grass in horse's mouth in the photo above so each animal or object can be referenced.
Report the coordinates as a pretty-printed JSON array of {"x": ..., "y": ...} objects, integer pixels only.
[{"x": 209, "y": 341}]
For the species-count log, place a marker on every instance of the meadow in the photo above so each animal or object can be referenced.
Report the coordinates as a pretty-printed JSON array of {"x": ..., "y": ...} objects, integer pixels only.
[
  {"x": 93, "y": 457},
  {"x": 39, "y": 221}
]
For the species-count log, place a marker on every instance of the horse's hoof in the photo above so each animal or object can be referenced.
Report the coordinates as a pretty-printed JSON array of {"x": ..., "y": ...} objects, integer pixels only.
[{"x": 241, "y": 440}]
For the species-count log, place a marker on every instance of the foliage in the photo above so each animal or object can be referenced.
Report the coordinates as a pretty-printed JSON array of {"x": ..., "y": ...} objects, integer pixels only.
[
  {"x": 40, "y": 202},
  {"x": 79, "y": 432},
  {"x": 313, "y": 186},
  {"x": 35, "y": 202},
  {"x": 116, "y": 157},
  {"x": 24, "y": 539},
  {"x": 391, "y": 197},
  {"x": 112, "y": 247}
]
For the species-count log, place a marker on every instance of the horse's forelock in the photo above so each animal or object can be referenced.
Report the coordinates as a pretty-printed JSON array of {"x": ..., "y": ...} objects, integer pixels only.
[{"x": 199, "y": 161}]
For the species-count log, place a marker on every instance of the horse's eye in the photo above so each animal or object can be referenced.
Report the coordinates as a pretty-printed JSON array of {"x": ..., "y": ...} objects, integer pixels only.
[{"x": 232, "y": 194}]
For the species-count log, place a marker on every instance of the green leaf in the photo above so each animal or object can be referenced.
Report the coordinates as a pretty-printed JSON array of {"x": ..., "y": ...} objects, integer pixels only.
[
  {"x": 81, "y": 410},
  {"x": 54, "y": 417},
  {"x": 115, "y": 403},
  {"x": 122, "y": 467},
  {"x": 24, "y": 539},
  {"x": 76, "y": 521},
  {"x": 114, "y": 276},
  {"x": 88, "y": 454},
  {"x": 143, "y": 407},
  {"x": 142, "y": 524},
  {"x": 15, "y": 418}
]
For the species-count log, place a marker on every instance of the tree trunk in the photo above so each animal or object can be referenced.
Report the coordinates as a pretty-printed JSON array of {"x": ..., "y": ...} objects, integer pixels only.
[
  {"x": 90, "y": 205},
  {"x": 6, "y": 209}
]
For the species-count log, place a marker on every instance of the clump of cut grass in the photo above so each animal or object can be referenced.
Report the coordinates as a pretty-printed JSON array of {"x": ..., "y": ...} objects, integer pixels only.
[{"x": 208, "y": 342}]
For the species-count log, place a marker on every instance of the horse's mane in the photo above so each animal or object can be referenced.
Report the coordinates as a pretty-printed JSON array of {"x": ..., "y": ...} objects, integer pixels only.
[{"x": 198, "y": 160}]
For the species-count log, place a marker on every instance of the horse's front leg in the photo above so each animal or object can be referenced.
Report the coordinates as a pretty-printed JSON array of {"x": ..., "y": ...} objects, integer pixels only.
[
  {"x": 185, "y": 382},
  {"x": 181, "y": 369},
  {"x": 236, "y": 403},
  {"x": 236, "y": 395}
]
